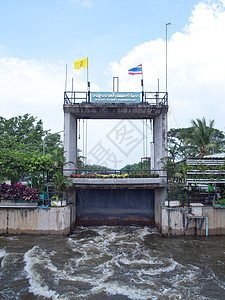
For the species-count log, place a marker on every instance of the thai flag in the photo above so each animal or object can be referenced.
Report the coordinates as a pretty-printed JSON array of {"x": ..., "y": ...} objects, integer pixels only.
[{"x": 135, "y": 71}]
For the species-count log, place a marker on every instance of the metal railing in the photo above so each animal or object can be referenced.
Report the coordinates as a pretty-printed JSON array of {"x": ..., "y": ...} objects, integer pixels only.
[
  {"x": 156, "y": 98},
  {"x": 47, "y": 197},
  {"x": 152, "y": 98},
  {"x": 75, "y": 97},
  {"x": 189, "y": 196}
]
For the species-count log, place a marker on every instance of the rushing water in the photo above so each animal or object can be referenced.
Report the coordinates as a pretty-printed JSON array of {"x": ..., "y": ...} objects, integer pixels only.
[{"x": 112, "y": 263}]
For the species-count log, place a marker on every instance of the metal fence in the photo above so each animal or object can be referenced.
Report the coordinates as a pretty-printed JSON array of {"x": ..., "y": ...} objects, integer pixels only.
[{"x": 189, "y": 196}]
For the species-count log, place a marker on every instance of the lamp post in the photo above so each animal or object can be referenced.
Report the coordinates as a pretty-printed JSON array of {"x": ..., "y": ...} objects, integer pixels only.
[
  {"x": 167, "y": 24},
  {"x": 44, "y": 140}
]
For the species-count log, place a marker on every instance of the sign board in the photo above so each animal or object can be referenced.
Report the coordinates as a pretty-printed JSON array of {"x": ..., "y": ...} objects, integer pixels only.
[{"x": 115, "y": 97}]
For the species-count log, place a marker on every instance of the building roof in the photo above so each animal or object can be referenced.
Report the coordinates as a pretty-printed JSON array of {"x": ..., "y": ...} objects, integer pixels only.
[{"x": 216, "y": 155}]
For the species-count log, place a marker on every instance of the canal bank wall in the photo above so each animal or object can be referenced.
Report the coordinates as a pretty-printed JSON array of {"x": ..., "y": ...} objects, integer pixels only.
[
  {"x": 180, "y": 221},
  {"x": 52, "y": 220},
  {"x": 61, "y": 220}
]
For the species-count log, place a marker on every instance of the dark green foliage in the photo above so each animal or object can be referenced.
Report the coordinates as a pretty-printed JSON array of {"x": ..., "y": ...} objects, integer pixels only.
[
  {"x": 15, "y": 164},
  {"x": 92, "y": 167},
  {"x": 21, "y": 149},
  {"x": 61, "y": 182},
  {"x": 18, "y": 193},
  {"x": 25, "y": 133},
  {"x": 144, "y": 165},
  {"x": 197, "y": 140},
  {"x": 221, "y": 201}
]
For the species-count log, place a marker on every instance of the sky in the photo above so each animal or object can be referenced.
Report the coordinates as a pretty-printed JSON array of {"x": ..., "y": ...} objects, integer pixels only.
[{"x": 40, "y": 37}]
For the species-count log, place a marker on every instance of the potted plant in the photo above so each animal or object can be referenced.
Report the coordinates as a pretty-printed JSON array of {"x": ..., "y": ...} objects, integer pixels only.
[{"x": 61, "y": 184}]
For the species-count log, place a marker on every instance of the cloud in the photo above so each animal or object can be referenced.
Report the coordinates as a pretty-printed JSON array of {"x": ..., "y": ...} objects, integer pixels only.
[
  {"x": 36, "y": 87},
  {"x": 83, "y": 3},
  {"x": 196, "y": 64}
]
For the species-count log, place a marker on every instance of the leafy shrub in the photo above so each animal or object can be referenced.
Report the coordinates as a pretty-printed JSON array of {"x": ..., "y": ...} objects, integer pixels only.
[
  {"x": 18, "y": 192},
  {"x": 221, "y": 201}
]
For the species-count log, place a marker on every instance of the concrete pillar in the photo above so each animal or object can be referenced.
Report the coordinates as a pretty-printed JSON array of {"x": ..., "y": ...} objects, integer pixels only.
[
  {"x": 160, "y": 194},
  {"x": 160, "y": 139},
  {"x": 152, "y": 156},
  {"x": 70, "y": 142}
]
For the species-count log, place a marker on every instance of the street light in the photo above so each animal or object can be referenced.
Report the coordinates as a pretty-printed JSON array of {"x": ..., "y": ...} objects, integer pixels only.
[
  {"x": 167, "y": 24},
  {"x": 45, "y": 137}
]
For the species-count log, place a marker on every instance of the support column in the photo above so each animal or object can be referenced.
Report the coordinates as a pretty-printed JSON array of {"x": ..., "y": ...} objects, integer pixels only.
[
  {"x": 160, "y": 139},
  {"x": 70, "y": 142}
]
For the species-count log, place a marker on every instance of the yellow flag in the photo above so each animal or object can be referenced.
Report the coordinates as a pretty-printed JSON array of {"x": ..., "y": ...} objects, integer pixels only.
[{"x": 82, "y": 63}]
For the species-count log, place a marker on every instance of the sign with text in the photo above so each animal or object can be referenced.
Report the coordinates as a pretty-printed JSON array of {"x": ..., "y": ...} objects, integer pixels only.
[{"x": 115, "y": 97}]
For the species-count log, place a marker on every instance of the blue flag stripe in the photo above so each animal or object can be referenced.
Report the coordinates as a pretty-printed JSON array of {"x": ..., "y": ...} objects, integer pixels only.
[{"x": 136, "y": 69}]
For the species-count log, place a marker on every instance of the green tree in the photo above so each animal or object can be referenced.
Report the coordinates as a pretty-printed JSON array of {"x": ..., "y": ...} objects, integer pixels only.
[
  {"x": 21, "y": 133},
  {"x": 26, "y": 133},
  {"x": 202, "y": 139},
  {"x": 16, "y": 164},
  {"x": 21, "y": 148},
  {"x": 142, "y": 165},
  {"x": 197, "y": 140}
]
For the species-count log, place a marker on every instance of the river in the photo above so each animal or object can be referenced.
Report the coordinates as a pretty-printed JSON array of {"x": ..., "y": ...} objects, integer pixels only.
[{"x": 112, "y": 263}]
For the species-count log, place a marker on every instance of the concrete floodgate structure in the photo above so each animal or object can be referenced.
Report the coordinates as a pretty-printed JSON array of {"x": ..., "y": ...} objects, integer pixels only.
[{"x": 117, "y": 201}]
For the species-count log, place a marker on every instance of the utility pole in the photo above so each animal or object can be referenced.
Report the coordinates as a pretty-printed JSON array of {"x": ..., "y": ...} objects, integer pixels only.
[{"x": 167, "y": 24}]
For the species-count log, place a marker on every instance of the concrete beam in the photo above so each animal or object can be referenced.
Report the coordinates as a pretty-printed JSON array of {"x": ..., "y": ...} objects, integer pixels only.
[{"x": 115, "y": 111}]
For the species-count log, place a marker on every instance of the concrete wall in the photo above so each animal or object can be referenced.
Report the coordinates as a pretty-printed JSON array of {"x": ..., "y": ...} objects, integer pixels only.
[
  {"x": 216, "y": 220},
  {"x": 174, "y": 220},
  {"x": 52, "y": 220},
  {"x": 72, "y": 199},
  {"x": 159, "y": 195}
]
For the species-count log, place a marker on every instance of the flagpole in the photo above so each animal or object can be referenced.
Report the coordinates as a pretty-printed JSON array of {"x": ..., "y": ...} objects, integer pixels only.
[
  {"x": 167, "y": 24},
  {"x": 66, "y": 79},
  {"x": 87, "y": 73},
  {"x": 88, "y": 91},
  {"x": 142, "y": 84}
]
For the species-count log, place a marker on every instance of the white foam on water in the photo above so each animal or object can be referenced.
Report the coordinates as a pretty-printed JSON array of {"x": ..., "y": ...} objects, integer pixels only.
[
  {"x": 116, "y": 288},
  {"x": 37, "y": 282},
  {"x": 3, "y": 255},
  {"x": 142, "y": 261},
  {"x": 37, "y": 285},
  {"x": 186, "y": 276},
  {"x": 220, "y": 283},
  {"x": 142, "y": 232},
  {"x": 12, "y": 238},
  {"x": 106, "y": 270},
  {"x": 163, "y": 267}
]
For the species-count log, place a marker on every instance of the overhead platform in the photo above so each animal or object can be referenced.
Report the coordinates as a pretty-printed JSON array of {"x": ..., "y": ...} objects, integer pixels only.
[{"x": 117, "y": 105}]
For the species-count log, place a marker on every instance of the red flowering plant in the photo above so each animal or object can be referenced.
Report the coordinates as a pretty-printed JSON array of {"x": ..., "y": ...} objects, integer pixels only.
[{"x": 18, "y": 193}]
